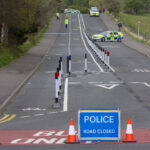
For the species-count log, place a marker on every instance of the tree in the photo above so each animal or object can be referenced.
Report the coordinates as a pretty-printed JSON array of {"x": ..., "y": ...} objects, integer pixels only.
[
  {"x": 134, "y": 6},
  {"x": 21, "y": 17},
  {"x": 113, "y": 6},
  {"x": 96, "y": 3}
]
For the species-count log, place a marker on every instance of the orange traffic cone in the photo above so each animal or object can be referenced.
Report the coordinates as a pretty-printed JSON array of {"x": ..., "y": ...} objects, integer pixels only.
[
  {"x": 72, "y": 139},
  {"x": 129, "y": 137}
]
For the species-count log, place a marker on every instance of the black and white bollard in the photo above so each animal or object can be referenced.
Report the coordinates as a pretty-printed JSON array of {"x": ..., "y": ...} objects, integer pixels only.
[
  {"x": 59, "y": 70},
  {"x": 56, "y": 104},
  {"x": 70, "y": 65},
  {"x": 85, "y": 68},
  {"x": 108, "y": 53},
  {"x": 103, "y": 51},
  {"x": 61, "y": 66},
  {"x": 105, "y": 57}
]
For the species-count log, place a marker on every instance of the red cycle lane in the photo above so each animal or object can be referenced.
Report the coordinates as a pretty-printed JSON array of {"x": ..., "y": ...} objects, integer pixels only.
[{"x": 52, "y": 137}]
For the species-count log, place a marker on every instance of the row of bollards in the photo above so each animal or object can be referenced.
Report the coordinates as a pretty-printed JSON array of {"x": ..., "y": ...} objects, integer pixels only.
[
  {"x": 59, "y": 75},
  {"x": 100, "y": 52}
]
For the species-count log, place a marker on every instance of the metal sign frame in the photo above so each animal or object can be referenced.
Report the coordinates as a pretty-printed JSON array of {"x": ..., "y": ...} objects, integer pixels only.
[{"x": 98, "y": 111}]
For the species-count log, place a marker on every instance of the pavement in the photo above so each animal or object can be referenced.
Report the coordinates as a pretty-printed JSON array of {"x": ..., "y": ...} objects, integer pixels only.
[
  {"x": 111, "y": 25},
  {"x": 14, "y": 76}
]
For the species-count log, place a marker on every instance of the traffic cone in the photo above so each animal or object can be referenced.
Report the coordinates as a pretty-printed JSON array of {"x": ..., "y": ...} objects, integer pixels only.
[
  {"x": 72, "y": 139},
  {"x": 129, "y": 137}
]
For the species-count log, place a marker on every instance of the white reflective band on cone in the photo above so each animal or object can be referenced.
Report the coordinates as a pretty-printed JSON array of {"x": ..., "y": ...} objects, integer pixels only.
[
  {"x": 129, "y": 129},
  {"x": 71, "y": 130}
]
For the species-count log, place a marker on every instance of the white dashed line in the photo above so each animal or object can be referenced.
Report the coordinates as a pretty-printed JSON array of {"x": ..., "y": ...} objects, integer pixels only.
[
  {"x": 25, "y": 116},
  {"x": 39, "y": 115}
]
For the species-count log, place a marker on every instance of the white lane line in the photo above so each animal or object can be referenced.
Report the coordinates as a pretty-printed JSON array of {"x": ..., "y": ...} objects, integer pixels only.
[
  {"x": 87, "y": 47},
  {"x": 39, "y": 115},
  {"x": 69, "y": 44},
  {"x": 25, "y": 116},
  {"x": 65, "y": 107},
  {"x": 83, "y": 22},
  {"x": 52, "y": 113}
]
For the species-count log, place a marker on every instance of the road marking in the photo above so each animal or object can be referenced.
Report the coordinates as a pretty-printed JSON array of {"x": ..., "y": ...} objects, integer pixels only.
[
  {"x": 25, "y": 116},
  {"x": 7, "y": 118},
  {"x": 83, "y": 22},
  {"x": 61, "y": 141},
  {"x": 52, "y": 113},
  {"x": 107, "y": 86},
  {"x": 39, "y": 115},
  {"x": 49, "y": 137},
  {"x": 141, "y": 70},
  {"x": 69, "y": 44},
  {"x": 87, "y": 47},
  {"x": 144, "y": 83},
  {"x": 33, "y": 109},
  {"x": 65, "y": 107}
]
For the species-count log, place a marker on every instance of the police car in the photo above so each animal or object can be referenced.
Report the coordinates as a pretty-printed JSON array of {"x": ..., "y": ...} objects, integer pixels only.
[
  {"x": 94, "y": 12},
  {"x": 71, "y": 11},
  {"x": 108, "y": 36}
]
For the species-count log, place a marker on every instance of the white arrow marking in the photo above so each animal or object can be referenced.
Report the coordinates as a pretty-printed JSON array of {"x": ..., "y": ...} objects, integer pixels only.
[{"x": 107, "y": 86}]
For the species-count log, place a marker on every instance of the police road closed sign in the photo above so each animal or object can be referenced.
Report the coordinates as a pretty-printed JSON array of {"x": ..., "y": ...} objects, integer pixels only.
[{"x": 99, "y": 124}]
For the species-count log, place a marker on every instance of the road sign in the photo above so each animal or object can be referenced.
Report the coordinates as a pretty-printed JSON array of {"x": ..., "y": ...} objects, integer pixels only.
[{"x": 99, "y": 124}]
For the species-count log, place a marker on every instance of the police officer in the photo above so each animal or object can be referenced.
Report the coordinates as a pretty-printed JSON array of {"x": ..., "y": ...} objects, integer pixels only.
[
  {"x": 66, "y": 22},
  {"x": 57, "y": 15},
  {"x": 119, "y": 26}
]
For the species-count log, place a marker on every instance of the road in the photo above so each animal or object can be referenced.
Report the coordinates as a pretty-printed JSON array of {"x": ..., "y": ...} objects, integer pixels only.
[{"x": 127, "y": 88}]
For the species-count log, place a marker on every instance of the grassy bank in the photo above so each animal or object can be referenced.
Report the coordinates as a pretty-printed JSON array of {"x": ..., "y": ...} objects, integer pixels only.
[
  {"x": 8, "y": 55},
  {"x": 131, "y": 21}
]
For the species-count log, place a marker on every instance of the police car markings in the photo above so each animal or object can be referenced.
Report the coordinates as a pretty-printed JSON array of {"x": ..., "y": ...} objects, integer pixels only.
[{"x": 54, "y": 137}]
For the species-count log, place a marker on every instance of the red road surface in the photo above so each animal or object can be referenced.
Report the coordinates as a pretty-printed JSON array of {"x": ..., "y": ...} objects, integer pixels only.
[{"x": 51, "y": 137}]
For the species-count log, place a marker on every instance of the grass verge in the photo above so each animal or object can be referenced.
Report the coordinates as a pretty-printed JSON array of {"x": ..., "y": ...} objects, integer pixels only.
[
  {"x": 130, "y": 26},
  {"x": 7, "y": 55}
]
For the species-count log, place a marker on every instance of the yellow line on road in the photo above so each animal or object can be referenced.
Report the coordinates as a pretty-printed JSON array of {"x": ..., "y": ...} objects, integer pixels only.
[{"x": 7, "y": 118}]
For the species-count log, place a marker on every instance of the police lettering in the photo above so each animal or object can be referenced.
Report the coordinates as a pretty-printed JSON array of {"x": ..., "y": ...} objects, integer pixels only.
[{"x": 98, "y": 119}]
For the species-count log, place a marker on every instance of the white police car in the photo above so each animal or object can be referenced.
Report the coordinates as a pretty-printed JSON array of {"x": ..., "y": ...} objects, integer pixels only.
[{"x": 108, "y": 36}]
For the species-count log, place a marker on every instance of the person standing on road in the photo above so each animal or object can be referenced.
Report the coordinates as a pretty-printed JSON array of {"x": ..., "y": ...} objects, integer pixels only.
[
  {"x": 57, "y": 16},
  {"x": 119, "y": 26},
  {"x": 66, "y": 22},
  {"x": 103, "y": 10}
]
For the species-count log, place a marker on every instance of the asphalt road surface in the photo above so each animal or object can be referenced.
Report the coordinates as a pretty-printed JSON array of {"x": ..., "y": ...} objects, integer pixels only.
[{"x": 127, "y": 88}]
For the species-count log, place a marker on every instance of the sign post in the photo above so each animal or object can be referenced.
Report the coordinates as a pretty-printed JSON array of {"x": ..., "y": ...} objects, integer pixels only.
[{"x": 99, "y": 124}]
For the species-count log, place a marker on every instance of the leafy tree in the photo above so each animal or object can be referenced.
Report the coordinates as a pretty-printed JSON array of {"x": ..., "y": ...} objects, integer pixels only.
[
  {"x": 134, "y": 6},
  {"x": 96, "y": 3},
  {"x": 18, "y": 18},
  {"x": 113, "y": 6}
]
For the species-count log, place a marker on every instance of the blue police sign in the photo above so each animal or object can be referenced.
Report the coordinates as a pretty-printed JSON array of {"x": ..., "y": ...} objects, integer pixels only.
[{"x": 99, "y": 124}]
